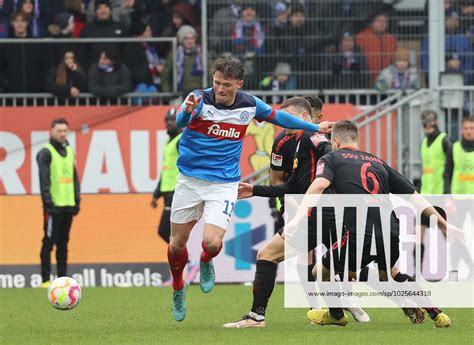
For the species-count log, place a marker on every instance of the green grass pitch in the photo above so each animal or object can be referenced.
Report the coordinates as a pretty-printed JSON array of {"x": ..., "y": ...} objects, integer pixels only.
[{"x": 143, "y": 316}]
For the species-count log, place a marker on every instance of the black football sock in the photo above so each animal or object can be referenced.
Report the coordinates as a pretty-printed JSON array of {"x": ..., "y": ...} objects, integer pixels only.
[{"x": 265, "y": 276}]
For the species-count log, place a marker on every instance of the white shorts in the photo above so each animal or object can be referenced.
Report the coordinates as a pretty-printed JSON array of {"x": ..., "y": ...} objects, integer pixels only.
[{"x": 194, "y": 197}]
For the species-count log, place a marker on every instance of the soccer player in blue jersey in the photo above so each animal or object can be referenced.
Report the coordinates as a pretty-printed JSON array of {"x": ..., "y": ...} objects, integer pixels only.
[{"x": 215, "y": 122}]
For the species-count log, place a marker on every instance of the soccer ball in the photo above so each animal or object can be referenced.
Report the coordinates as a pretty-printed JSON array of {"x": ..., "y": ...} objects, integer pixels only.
[{"x": 64, "y": 293}]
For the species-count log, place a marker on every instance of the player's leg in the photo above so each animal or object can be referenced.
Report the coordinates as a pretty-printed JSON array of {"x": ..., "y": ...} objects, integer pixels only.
[
  {"x": 184, "y": 215},
  {"x": 46, "y": 248},
  {"x": 268, "y": 258},
  {"x": 219, "y": 203},
  {"x": 213, "y": 236}
]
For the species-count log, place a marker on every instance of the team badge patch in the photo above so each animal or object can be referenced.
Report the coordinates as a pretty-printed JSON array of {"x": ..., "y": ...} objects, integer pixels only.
[
  {"x": 277, "y": 160},
  {"x": 244, "y": 116},
  {"x": 318, "y": 139},
  {"x": 320, "y": 169}
]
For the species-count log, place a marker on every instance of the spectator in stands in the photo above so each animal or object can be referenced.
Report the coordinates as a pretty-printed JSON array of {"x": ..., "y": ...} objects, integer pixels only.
[
  {"x": 22, "y": 66},
  {"x": 108, "y": 77},
  {"x": 222, "y": 24},
  {"x": 399, "y": 75},
  {"x": 120, "y": 10},
  {"x": 38, "y": 14},
  {"x": 247, "y": 35},
  {"x": 281, "y": 79},
  {"x": 63, "y": 27},
  {"x": 347, "y": 67},
  {"x": 296, "y": 45},
  {"x": 188, "y": 61},
  {"x": 453, "y": 63},
  {"x": 181, "y": 14},
  {"x": 378, "y": 45},
  {"x": 67, "y": 79},
  {"x": 102, "y": 27},
  {"x": 143, "y": 60},
  {"x": 455, "y": 41},
  {"x": 77, "y": 9}
]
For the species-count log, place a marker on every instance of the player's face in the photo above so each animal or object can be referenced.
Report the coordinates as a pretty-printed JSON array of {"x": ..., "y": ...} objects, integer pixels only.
[
  {"x": 170, "y": 124},
  {"x": 467, "y": 130},
  {"x": 59, "y": 132},
  {"x": 316, "y": 116},
  {"x": 303, "y": 115},
  {"x": 225, "y": 89}
]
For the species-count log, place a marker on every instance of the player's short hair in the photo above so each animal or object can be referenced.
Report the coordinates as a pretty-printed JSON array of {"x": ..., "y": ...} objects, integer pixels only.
[
  {"x": 346, "y": 130},
  {"x": 315, "y": 102},
  {"x": 229, "y": 66},
  {"x": 297, "y": 102},
  {"x": 467, "y": 119},
  {"x": 59, "y": 121}
]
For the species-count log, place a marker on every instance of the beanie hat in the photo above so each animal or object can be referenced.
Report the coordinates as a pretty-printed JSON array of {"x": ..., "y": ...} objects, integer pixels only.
[
  {"x": 102, "y": 2},
  {"x": 184, "y": 31}
]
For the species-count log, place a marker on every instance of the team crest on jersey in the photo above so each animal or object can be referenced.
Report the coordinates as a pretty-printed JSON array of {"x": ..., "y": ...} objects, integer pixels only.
[
  {"x": 244, "y": 116},
  {"x": 318, "y": 138},
  {"x": 277, "y": 160}
]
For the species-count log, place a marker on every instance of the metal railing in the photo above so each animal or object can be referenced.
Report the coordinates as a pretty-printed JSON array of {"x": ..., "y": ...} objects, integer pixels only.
[
  {"x": 84, "y": 99},
  {"x": 356, "y": 97}
]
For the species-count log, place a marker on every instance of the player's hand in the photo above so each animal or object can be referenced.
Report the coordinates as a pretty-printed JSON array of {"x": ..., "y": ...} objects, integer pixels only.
[
  {"x": 245, "y": 190},
  {"x": 191, "y": 103},
  {"x": 154, "y": 203},
  {"x": 325, "y": 127}
]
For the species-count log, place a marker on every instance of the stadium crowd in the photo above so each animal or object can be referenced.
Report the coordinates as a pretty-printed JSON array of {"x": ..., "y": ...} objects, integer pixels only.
[{"x": 285, "y": 45}]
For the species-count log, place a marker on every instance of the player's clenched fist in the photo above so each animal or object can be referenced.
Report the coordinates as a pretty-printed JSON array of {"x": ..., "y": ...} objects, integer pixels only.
[
  {"x": 325, "y": 127},
  {"x": 245, "y": 190},
  {"x": 192, "y": 102}
]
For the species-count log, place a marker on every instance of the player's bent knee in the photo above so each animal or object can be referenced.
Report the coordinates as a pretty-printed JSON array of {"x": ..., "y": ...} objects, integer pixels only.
[
  {"x": 176, "y": 246},
  {"x": 213, "y": 245}
]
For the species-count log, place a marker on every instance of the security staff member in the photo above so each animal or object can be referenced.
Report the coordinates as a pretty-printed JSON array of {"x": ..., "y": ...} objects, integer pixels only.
[
  {"x": 169, "y": 174},
  {"x": 460, "y": 163},
  {"x": 434, "y": 149},
  {"x": 60, "y": 193}
]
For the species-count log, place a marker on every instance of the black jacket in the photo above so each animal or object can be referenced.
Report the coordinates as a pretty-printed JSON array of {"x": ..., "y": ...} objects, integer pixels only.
[
  {"x": 134, "y": 56},
  {"x": 23, "y": 67},
  {"x": 44, "y": 162},
  {"x": 75, "y": 79},
  {"x": 109, "y": 84},
  {"x": 102, "y": 29}
]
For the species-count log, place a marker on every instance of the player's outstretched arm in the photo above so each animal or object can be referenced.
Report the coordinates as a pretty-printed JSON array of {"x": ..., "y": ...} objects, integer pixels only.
[
  {"x": 191, "y": 106},
  {"x": 281, "y": 118}
]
